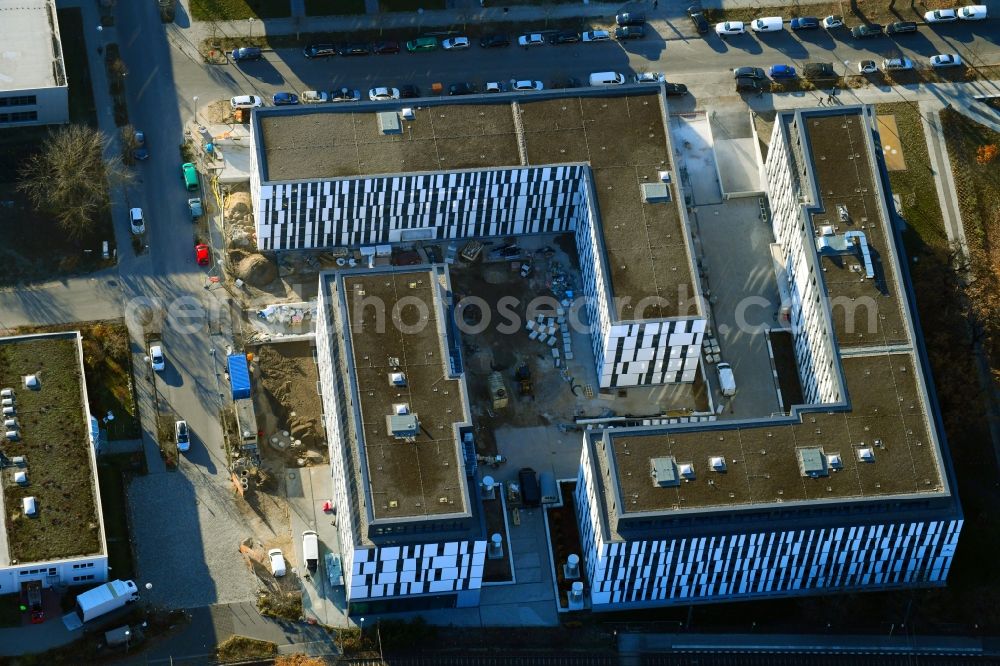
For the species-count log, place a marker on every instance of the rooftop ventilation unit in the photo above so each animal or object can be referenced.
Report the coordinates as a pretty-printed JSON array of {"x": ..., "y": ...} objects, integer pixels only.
[
  {"x": 408, "y": 113},
  {"x": 834, "y": 461},
  {"x": 655, "y": 193},
  {"x": 7, "y": 393},
  {"x": 400, "y": 408},
  {"x": 717, "y": 463},
  {"x": 21, "y": 478},
  {"x": 403, "y": 426},
  {"x": 686, "y": 470},
  {"x": 9, "y": 411},
  {"x": 842, "y": 212},
  {"x": 866, "y": 454},
  {"x": 812, "y": 462},
  {"x": 397, "y": 379},
  {"x": 388, "y": 122},
  {"x": 31, "y": 382},
  {"x": 29, "y": 506},
  {"x": 664, "y": 472}
]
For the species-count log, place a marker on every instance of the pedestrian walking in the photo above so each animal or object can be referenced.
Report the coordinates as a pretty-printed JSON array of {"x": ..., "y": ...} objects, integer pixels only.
[
  {"x": 656, "y": 3},
  {"x": 821, "y": 101}
]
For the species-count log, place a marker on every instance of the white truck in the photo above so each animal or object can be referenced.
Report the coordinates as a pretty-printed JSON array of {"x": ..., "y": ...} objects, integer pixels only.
[{"x": 105, "y": 598}]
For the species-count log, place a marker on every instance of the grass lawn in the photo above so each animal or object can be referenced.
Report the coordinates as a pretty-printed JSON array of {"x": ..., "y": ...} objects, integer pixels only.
[
  {"x": 333, "y": 7},
  {"x": 241, "y": 648},
  {"x": 409, "y": 5},
  {"x": 54, "y": 439},
  {"x": 232, "y": 10},
  {"x": 977, "y": 185}
]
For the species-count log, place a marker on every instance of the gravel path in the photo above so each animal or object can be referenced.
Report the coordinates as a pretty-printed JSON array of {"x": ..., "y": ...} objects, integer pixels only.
[{"x": 187, "y": 528}]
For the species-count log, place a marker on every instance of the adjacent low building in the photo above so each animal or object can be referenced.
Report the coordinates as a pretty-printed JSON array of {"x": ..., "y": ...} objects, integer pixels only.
[
  {"x": 52, "y": 530},
  {"x": 33, "y": 85},
  {"x": 854, "y": 489}
]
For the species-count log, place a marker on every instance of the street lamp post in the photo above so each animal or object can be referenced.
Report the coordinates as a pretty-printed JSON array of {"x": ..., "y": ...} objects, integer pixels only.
[
  {"x": 361, "y": 634},
  {"x": 250, "y": 21},
  {"x": 195, "y": 98}
]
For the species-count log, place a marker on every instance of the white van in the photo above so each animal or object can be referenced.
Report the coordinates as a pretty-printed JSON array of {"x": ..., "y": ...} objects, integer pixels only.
[
  {"x": 767, "y": 24},
  {"x": 972, "y": 13},
  {"x": 607, "y": 79},
  {"x": 310, "y": 549},
  {"x": 727, "y": 382},
  {"x": 550, "y": 489}
]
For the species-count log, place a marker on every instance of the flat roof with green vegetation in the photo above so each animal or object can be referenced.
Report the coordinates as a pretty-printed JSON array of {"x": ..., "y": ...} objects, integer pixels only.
[{"x": 53, "y": 439}]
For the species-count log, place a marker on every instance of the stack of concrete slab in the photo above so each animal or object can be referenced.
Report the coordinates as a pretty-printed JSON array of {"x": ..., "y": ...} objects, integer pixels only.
[
  {"x": 711, "y": 348},
  {"x": 552, "y": 331}
]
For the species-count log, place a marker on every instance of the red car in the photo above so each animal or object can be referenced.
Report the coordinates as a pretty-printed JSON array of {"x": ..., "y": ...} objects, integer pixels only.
[{"x": 202, "y": 255}]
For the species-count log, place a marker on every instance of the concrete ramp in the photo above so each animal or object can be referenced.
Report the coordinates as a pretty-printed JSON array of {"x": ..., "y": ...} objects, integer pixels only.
[{"x": 692, "y": 140}]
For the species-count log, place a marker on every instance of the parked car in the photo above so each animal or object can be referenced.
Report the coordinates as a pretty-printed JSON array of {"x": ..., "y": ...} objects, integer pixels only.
[
  {"x": 494, "y": 41},
  {"x": 525, "y": 85},
  {"x": 698, "y": 19},
  {"x": 867, "y": 67},
  {"x": 900, "y": 27},
  {"x": 596, "y": 36},
  {"x": 896, "y": 64},
  {"x": 408, "y": 91},
  {"x": 383, "y": 94},
  {"x": 139, "y": 150},
  {"x": 649, "y": 77},
  {"x": 461, "y": 89},
  {"x": 277, "y": 561},
  {"x": 941, "y": 16},
  {"x": 156, "y": 360},
  {"x": 493, "y": 87},
  {"x": 972, "y": 13},
  {"x": 729, "y": 28},
  {"x": 818, "y": 70},
  {"x": 564, "y": 37},
  {"x": 202, "y": 254},
  {"x": 455, "y": 43},
  {"x": 533, "y": 39},
  {"x": 767, "y": 24},
  {"x": 246, "y": 102},
  {"x": 353, "y": 49},
  {"x": 314, "y": 97},
  {"x": 385, "y": 47},
  {"x": 246, "y": 53},
  {"x": 867, "y": 31},
  {"x": 422, "y": 44},
  {"x": 946, "y": 60},
  {"x": 137, "y": 221},
  {"x": 630, "y": 32},
  {"x": 320, "y": 50},
  {"x": 804, "y": 23},
  {"x": 284, "y": 99},
  {"x": 345, "y": 95},
  {"x": 630, "y": 18},
  {"x": 189, "y": 174},
  {"x": 833, "y": 21},
  {"x": 182, "y": 436},
  {"x": 675, "y": 88},
  {"x": 750, "y": 72},
  {"x": 782, "y": 72},
  {"x": 727, "y": 382},
  {"x": 194, "y": 207}
]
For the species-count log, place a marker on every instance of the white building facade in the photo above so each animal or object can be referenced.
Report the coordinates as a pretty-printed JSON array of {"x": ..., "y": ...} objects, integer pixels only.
[{"x": 33, "y": 85}]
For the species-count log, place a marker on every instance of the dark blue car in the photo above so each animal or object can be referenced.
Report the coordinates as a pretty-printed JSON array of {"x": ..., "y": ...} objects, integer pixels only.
[
  {"x": 782, "y": 72},
  {"x": 285, "y": 99},
  {"x": 805, "y": 23}
]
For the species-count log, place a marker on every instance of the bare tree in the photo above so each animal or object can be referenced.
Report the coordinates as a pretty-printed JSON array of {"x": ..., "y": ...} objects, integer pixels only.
[{"x": 70, "y": 178}]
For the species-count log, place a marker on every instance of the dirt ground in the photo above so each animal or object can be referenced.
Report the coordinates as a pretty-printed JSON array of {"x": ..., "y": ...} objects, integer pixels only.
[{"x": 288, "y": 401}]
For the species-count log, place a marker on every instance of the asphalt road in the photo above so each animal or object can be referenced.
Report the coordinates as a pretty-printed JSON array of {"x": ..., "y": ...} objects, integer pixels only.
[{"x": 702, "y": 63}]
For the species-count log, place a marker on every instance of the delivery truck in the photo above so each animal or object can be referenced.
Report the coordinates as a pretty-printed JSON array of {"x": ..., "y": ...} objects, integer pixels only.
[{"x": 105, "y": 598}]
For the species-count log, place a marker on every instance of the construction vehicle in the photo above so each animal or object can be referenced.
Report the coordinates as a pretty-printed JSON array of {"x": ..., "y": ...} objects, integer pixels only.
[
  {"x": 523, "y": 377},
  {"x": 498, "y": 390},
  {"x": 471, "y": 251}
]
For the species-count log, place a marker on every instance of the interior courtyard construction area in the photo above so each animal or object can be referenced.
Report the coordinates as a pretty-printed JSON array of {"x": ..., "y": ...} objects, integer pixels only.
[{"x": 540, "y": 262}]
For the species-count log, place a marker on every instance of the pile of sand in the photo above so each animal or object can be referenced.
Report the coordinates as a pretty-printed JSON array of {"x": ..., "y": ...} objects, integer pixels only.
[{"x": 254, "y": 269}]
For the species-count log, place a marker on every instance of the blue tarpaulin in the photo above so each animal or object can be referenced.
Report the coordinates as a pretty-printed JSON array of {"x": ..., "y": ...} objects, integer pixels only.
[{"x": 239, "y": 376}]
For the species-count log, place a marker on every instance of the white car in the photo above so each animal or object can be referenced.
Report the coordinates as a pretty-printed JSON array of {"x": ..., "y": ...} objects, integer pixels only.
[
  {"x": 730, "y": 28},
  {"x": 138, "y": 223},
  {"x": 314, "y": 97},
  {"x": 896, "y": 64},
  {"x": 156, "y": 358},
  {"x": 182, "y": 436},
  {"x": 867, "y": 67},
  {"x": 946, "y": 60},
  {"x": 972, "y": 13},
  {"x": 277, "y": 562},
  {"x": 767, "y": 24},
  {"x": 596, "y": 36},
  {"x": 383, "y": 94},
  {"x": 522, "y": 86},
  {"x": 941, "y": 16},
  {"x": 455, "y": 43},
  {"x": 649, "y": 77},
  {"x": 533, "y": 39},
  {"x": 493, "y": 87},
  {"x": 246, "y": 102},
  {"x": 833, "y": 22}
]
